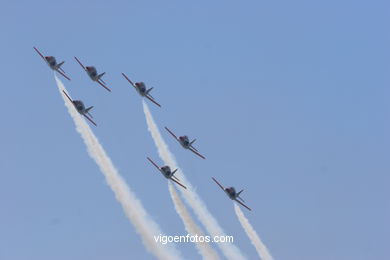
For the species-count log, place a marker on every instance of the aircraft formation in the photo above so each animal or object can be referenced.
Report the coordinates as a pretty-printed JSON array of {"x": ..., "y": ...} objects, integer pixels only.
[{"x": 143, "y": 91}]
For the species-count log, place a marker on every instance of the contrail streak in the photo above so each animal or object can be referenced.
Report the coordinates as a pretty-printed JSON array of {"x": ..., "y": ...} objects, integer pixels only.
[
  {"x": 253, "y": 236},
  {"x": 132, "y": 207},
  {"x": 204, "y": 248},
  {"x": 229, "y": 250}
]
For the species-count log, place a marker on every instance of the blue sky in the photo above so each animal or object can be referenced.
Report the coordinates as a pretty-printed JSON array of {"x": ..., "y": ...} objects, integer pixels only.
[{"x": 288, "y": 100}]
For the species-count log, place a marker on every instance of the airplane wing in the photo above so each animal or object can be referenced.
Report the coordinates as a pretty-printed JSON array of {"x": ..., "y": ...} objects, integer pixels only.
[
  {"x": 40, "y": 54},
  {"x": 79, "y": 62},
  {"x": 89, "y": 119},
  {"x": 67, "y": 96},
  {"x": 150, "y": 160},
  {"x": 195, "y": 152},
  {"x": 101, "y": 84},
  {"x": 218, "y": 184},
  {"x": 178, "y": 183},
  {"x": 171, "y": 133},
  {"x": 61, "y": 70},
  {"x": 151, "y": 99},
  {"x": 63, "y": 74},
  {"x": 243, "y": 201},
  {"x": 243, "y": 204},
  {"x": 194, "y": 148},
  {"x": 128, "y": 80}
]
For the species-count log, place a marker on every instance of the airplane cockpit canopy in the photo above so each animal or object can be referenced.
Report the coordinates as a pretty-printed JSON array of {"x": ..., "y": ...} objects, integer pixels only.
[{"x": 51, "y": 60}]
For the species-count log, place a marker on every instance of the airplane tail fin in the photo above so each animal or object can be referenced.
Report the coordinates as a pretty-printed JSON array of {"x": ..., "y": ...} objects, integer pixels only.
[
  {"x": 101, "y": 75},
  {"x": 173, "y": 175},
  {"x": 88, "y": 109},
  {"x": 59, "y": 66},
  {"x": 193, "y": 141},
  {"x": 148, "y": 91},
  {"x": 238, "y": 195}
]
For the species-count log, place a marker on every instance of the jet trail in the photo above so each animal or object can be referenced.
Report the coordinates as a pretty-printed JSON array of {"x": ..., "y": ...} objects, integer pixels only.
[
  {"x": 229, "y": 249},
  {"x": 132, "y": 207},
  {"x": 253, "y": 236},
  {"x": 204, "y": 248}
]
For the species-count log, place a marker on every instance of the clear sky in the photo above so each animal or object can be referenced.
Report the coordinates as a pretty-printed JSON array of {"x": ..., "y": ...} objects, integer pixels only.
[{"x": 288, "y": 100}]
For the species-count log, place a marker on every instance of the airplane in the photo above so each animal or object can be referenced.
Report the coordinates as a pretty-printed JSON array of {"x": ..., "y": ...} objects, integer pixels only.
[
  {"x": 233, "y": 195},
  {"x": 141, "y": 89},
  {"x": 185, "y": 142},
  {"x": 92, "y": 73},
  {"x": 166, "y": 171},
  {"x": 51, "y": 61},
  {"x": 79, "y": 105}
]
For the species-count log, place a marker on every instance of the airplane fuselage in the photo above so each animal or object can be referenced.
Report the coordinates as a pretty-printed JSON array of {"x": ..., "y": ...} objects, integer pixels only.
[
  {"x": 51, "y": 61},
  {"x": 184, "y": 141},
  {"x": 166, "y": 171},
  {"x": 79, "y": 105},
  {"x": 231, "y": 192},
  {"x": 92, "y": 73},
  {"x": 141, "y": 88}
]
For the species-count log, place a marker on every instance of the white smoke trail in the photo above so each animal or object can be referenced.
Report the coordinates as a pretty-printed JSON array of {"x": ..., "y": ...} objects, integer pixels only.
[
  {"x": 253, "y": 236},
  {"x": 191, "y": 227},
  {"x": 132, "y": 207},
  {"x": 229, "y": 250}
]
